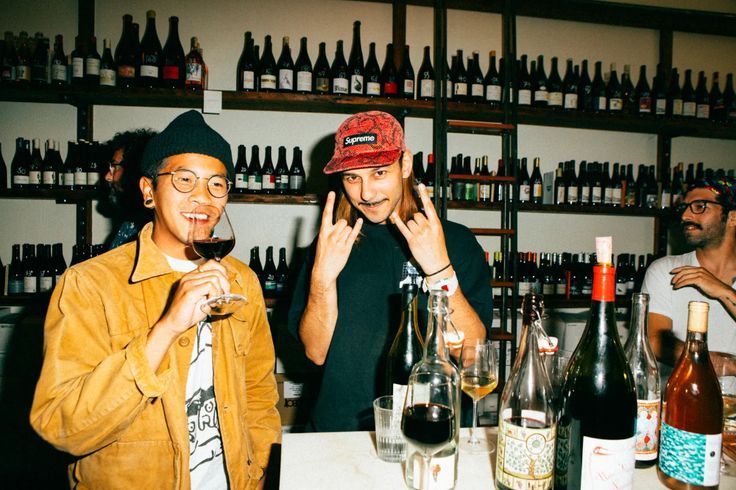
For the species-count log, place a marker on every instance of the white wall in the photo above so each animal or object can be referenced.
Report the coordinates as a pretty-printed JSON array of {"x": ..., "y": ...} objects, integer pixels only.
[{"x": 220, "y": 27}]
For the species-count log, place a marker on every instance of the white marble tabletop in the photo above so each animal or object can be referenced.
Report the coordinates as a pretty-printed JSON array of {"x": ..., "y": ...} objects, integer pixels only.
[{"x": 339, "y": 460}]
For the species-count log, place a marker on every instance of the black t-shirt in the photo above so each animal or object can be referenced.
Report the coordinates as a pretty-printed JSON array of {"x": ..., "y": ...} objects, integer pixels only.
[{"x": 368, "y": 298}]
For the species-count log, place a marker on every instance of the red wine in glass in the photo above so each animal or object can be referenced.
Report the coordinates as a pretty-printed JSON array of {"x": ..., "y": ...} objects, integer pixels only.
[
  {"x": 214, "y": 248},
  {"x": 428, "y": 425}
]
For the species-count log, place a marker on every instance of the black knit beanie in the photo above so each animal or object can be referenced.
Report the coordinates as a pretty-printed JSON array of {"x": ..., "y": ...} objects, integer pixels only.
[{"x": 188, "y": 133}]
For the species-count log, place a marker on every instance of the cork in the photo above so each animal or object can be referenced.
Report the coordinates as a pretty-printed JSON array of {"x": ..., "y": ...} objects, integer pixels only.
[{"x": 697, "y": 320}]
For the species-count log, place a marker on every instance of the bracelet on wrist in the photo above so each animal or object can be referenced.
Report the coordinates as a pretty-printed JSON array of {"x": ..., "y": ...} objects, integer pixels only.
[{"x": 449, "y": 264}]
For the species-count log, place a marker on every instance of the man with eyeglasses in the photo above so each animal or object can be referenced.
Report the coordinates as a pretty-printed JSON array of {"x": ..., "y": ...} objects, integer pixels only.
[
  {"x": 138, "y": 381},
  {"x": 708, "y": 273},
  {"x": 125, "y": 204}
]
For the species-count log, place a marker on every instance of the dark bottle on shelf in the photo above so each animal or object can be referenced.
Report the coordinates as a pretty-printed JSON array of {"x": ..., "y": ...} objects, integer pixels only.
[
  {"x": 702, "y": 98},
  {"x": 269, "y": 274},
  {"x": 339, "y": 72},
  {"x": 58, "y": 62},
  {"x": 559, "y": 189},
  {"x": 674, "y": 95},
  {"x": 322, "y": 72},
  {"x": 372, "y": 73},
  {"x": 3, "y": 171},
  {"x": 35, "y": 169},
  {"x": 554, "y": 86},
  {"x": 94, "y": 166},
  {"x": 9, "y": 57},
  {"x": 30, "y": 270},
  {"x": 595, "y": 182},
  {"x": 652, "y": 193},
  {"x": 492, "y": 82},
  {"x": 281, "y": 173},
  {"x": 460, "y": 78},
  {"x": 643, "y": 93},
  {"x": 268, "y": 177},
  {"x": 631, "y": 105},
  {"x": 677, "y": 184},
  {"x": 241, "y": 172},
  {"x": 475, "y": 79},
  {"x": 541, "y": 92},
  {"x": 297, "y": 176},
  {"x": 173, "y": 57},
  {"x": 303, "y": 69},
  {"x": 456, "y": 184},
  {"x": 195, "y": 69},
  {"x": 609, "y": 184},
  {"x": 255, "y": 264},
  {"x": 80, "y": 165},
  {"x": 23, "y": 60},
  {"x": 471, "y": 194},
  {"x": 583, "y": 184},
  {"x": 151, "y": 54},
  {"x": 571, "y": 184},
  {"x": 614, "y": 92},
  {"x": 699, "y": 171},
  {"x": 641, "y": 186},
  {"x": 45, "y": 268},
  {"x": 282, "y": 274},
  {"x": 499, "y": 189},
  {"x": 418, "y": 167},
  {"x": 20, "y": 166},
  {"x": 406, "y": 76},
  {"x": 689, "y": 104},
  {"x": 665, "y": 199},
  {"x": 267, "y": 73},
  {"x": 389, "y": 77},
  {"x": 425, "y": 77},
  {"x": 59, "y": 264},
  {"x": 484, "y": 186},
  {"x": 126, "y": 57},
  {"x": 285, "y": 67},
  {"x": 585, "y": 89},
  {"x": 524, "y": 182},
  {"x": 356, "y": 68},
  {"x": 15, "y": 273},
  {"x": 659, "y": 93},
  {"x": 536, "y": 183},
  {"x": 78, "y": 56},
  {"x": 67, "y": 175},
  {"x": 108, "y": 70},
  {"x": 245, "y": 78},
  {"x": 524, "y": 90},
  {"x": 598, "y": 89},
  {"x": 717, "y": 102},
  {"x": 254, "y": 172},
  {"x": 570, "y": 88},
  {"x": 729, "y": 99},
  {"x": 92, "y": 62},
  {"x": 406, "y": 348},
  {"x": 40, "y": 61}
]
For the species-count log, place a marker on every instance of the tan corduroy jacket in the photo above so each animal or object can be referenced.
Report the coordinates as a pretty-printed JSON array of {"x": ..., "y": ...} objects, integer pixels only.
[{"x": 99, "y": 399}]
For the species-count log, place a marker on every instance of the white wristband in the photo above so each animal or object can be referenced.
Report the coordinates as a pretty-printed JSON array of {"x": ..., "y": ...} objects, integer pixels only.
[{"x": 449, "y": 285}]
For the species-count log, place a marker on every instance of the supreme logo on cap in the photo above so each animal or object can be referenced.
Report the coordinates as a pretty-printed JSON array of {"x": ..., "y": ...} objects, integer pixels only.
[{"x": 360, "y": 139}]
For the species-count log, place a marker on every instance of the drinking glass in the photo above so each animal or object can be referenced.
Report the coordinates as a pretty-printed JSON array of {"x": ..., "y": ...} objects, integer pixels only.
[
  {"x": 211, "y": 236},
  {"x": 479, "y": 377},
  {"x": 727, "y": 380},
  {"x": 428, "y": 418}
]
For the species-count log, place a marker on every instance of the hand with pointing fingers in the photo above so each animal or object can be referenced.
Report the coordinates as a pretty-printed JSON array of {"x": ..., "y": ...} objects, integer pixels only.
[
  {"x": 424, "y": 235},
  {"x": 333, "y": 245},
  {"x": 701, "y": 279}
]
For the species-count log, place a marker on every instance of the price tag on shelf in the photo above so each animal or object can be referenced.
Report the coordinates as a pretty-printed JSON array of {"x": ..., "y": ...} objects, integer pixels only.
[{"x": 212, "y": 102}]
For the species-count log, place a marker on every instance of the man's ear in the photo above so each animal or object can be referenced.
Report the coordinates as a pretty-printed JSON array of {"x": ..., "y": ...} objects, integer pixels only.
[
  {"x": 731, "y": 220},
  {"x": 146, "y": 186},
  {"x": 407, "y": 163}
]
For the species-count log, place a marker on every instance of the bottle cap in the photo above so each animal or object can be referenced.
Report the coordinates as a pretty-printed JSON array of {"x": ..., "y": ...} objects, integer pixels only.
[
  {"x": 604, "y": 249},
  {"x": 697, "y": 320}
]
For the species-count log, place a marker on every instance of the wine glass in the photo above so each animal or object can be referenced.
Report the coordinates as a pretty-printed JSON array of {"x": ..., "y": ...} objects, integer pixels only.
[
  {"x": 479, "y": 377},
  {"x": 211, "y": 236},
  {"x": 428, "y": 418}
]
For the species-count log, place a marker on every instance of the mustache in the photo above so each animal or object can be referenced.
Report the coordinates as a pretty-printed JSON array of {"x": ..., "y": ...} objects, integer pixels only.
[{"x": 690, "y": 223}]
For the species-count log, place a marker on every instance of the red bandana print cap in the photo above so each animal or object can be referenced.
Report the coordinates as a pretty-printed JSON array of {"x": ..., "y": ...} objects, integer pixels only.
[{"x": 366, "y": 139}]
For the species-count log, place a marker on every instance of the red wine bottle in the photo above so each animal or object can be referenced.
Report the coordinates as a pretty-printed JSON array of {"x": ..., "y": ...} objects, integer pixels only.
[
  {"x": 356, "y": 70},
  {"x": 126, "y": 58},
  {"x": 151, "y": 54},
  {"x": 303, "y": 69},
  {"x": 108, "y": 70},
  {"x": 339, "y": 72},
  {"x": 245, "y": 78},
  {"x": 389, "y": 79},
  {"x": 267, "y": 73},
  {"x": 372, "y": 73},
  {"x": 322, "y": 72},
  {"x": 425, "y": 77},
  {"x": 173, "y": 57}
]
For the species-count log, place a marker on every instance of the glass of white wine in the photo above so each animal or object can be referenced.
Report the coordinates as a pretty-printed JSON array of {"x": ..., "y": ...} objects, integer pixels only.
[{"x": 479, "y": 377}]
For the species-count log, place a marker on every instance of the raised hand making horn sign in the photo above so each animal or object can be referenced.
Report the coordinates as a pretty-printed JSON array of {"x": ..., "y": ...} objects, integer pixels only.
[{"x": 373, "y": 237}]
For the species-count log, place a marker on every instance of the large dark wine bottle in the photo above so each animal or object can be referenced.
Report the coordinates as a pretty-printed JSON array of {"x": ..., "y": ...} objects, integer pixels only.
[
  {"x": 643, "y": 93},
  {"x": 425, "y": 77},
  {"x": 268, "y": 175},
  {"x": 245, "y": 78},
  {"x": 372, "y": 72},
  {"x": 126, "y": 58},
  {"x": 303, "y": 69},
  {"x": 151, "y": 54},
  {"x": 493, "y": 82},
  {"x": 389, "y": 78},
  {"x": 267, "y": 73},
  {"x": 282, "y": 172},
  {"x": 406, "y": 349},
  {"x": 241, "y": 172},
  {"x": 297, "y": 176},
  {"x": 356, "y": 68},
  {"x": 322, "y": 71},
  {"x": 108, "y": 70},
  {"x": 406, "y": 76},
  {"x": 339, "y": 72},
  {"x": 254, "y": 172},
  {"x": 269, "y": 272},
  {"x": 285, "y": 66},
  {"x": 173, "y": 57},
  {"x": 702, "y": 98},
  {"x": 692, "y": 413},
  {"x": 597, "y": 427}
]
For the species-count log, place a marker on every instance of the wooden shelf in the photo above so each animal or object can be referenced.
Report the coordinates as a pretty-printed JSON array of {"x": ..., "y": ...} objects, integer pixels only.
[
  {"x": 588, "y": 209},
  {"x": 482, "y": 178},
  {"x": 502, "y": 284},
  {"x": 273, "y": 199},
  {"x": 24, "y": 299},
  {"x": 59, "y": 195},
  {"x": 492, "y": 231},
  {"x": 501, "y": 335}
]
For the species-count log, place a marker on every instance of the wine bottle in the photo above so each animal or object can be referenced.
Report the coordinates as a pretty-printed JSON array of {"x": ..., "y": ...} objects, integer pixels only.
[
  {"x": 372, "y": 73},
  {"x": 254, "y": 171},
  {"x": 702, "y": 98},
  {"x": 30, "y": 270},
  {"x": 460, "y": 78},
  {"x": 92, "y": 62},
  {"x": 689, "y": 104},
  {"x": 268, "y": 177},
  {"x": 643, "y": 93},
  {"x": 282, "y": 274},
  {"x": 493, "y": 83},
  {"x": 583, "y": 185},
  {"x": 631, "y": 105},
  {"x": 524, "y": 89},
  {"x": 541, "y": 93},
  {"x": 255, "y": 264},
  {"x": 3, "y": 172},
  {"x": 267, "y": 73},
  {"x": 729, "y": 98},
  {"x": 406, "y": 348},
  {"x": 281, "y": 173},
  {"x": 303, "y": 69},
  {"x": 524, "y": 183},
  {"x": 356, "y": 69},
  {"x": 9, "y": 56},
  {"x": 475, "y": 79},
  {"x": 151, "y": 54},
  {"x": 571, "y": 184},
  {"x": 58, "y": 62},
  {"x": 269, "y": 269},
  {"x": 598, "y": 89},
  {"x": 108, "y": 70},
  {"x": 173, "y": 57},
  {"x": 15, "y": 272},
  {"x": 195, "y": 77},
  {"x": 527, "y": 412},
  {"x": 322, "y": 72},
  {"x": 78, "y": 56},
  {"x": 717, "y": 102},
  {"x": 45, "y": 271},
  {"x": 19, "y": 166},
  {"x": 570, "y": 87},
  {"x": 245, "y": 78},
  {"x": 80, "y": 165},
  {"x": 659, "y": 93},
  {"x": 339, "y": 72},
  {"x": 644, "y": 368},
  {"x": 674, "y": 96},
  {"x": 40, "y": 61},
  {"x": 597, "y": 426},
  {"x": 585, "y": 89},
  {"x": 484, "y": 187},
  {"x": 555, "y": 87},
  {"x": 614, "y": 93},
  {"x": 389, "y": 77},
  {"x": 406, "y": 76},
  {"x": 58, "y": 261},
  {"x": 425, "y": 78},
  {"x": 23, "y": 60},
  {"x": 692, "y": 413},
  {"x": 285, "y": 67},
  {"x": 126, "y": 57},
  {"x": 35, "y": 168},
  {"x": 241, "y": 170},
  {"x": 297, "y": 176},
  {"x": 630, "y": 192}
]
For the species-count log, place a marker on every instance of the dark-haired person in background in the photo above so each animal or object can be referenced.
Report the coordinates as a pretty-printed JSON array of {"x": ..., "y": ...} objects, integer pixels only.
[{"x": 708, "y": 273}]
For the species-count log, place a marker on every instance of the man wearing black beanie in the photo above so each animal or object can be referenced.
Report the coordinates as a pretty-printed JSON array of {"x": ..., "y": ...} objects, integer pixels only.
[{"x": 123, "y": 386}]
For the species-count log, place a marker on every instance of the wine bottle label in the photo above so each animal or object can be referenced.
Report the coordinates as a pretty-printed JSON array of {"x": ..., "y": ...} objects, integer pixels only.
[
  {"x": 485, "y": 192},
  {"x": 68, "y": 179},
  {"x": 15, "y": 286},
  {"x": 596, "y": 195},
  {"x": 645, "y": 105},
  {"x": 340, "y": 85},
  {"x": 607, "y": 463},
  {"x": 615, "y": 104},
  {"x": 599, "y": 103},
  {"x": 268, "y": 181},
  {"x": 48, "y": 177},
  {"x": 526, "y": 456},
  {"x": 303, "y": 81},
  {"x": 651, "y": 200},
  {"x": 107, "y": 77},
  {"x": 560, "y": 195},
  {"x": 585, "y": 195},
  {"x": 630, "y": 286},
  {"x": 525, "y": 97},
  {"x": 126, "y": 71},
  {"x": 356, "y": 84},
  {"x": 269, "y": 285},
  {"x": 373, "y": 88},
  {"x": 408, "y": 87},
  {"x": 616, "y": 197},
  {"x": 572, "y": 195},
  {"x": 93, "y": 178},
  {"x": 34, "y": 177},
  {"x": 702, "y": 111},
  {"x": 647, "y": 421},
  {"x": 493, "y": 93},
  {"x": 688, "y": 109},
  {"x": 193, "y": 74},
  {"x": 660, "y": 107},
  {"x": 666, "y": 200},
  {"x": 322, "y": 84},
  {"x": 240, "y": 181},
  {"x": 19, "y": 179},
  {"x": 524, "y": 287},
  {"x": 541, "y": 96},
  {"x": 171, "y": 72},
  {"x": 58, "y": 73},
  {"x": 92, "y": 66},
  {"x": 149, "y": 71},
  {"x": 677, "y": 107},
  {"x": 548, "y": 288},
  {"x": 449, "y": 88},
  {"x": 57, "y": 278},
  {"x": 440, "y": 475},
  {"x": 430, "y": 190},
  {"x": 689, "y": 457},
  {"x": 555, "y": 99},
  {"x": 29, "y": 284},
  {"x": 286, "y": 79},
  {"x": 608, "y": 196},
  {"x": 268, "y": 81},
  {"x": 80, "y": 178},
  {"x": 461, "y": 88},
  {"x": 426, "y": 88},
  {"x": 46, "y": 283},
  {"x": 296, "y": 182},
  {"x": 282, "y": 181},
  {"x": 524, "y": 193},
  {"x": 23, "y": 72},
  {"x": 620, "y": 288},
  {"x": 254, "y": 182},
  {"x": 571, "y": 101},
  {"x": 77, "y": 67},
  {"x": 249, "y": 80},
  {"x": 476, "y": 90},
  {"x": 560, "y": 288}
]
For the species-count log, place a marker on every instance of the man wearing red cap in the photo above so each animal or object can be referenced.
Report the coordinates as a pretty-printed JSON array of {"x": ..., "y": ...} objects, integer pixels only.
[{"x": 345, "y": 307}]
